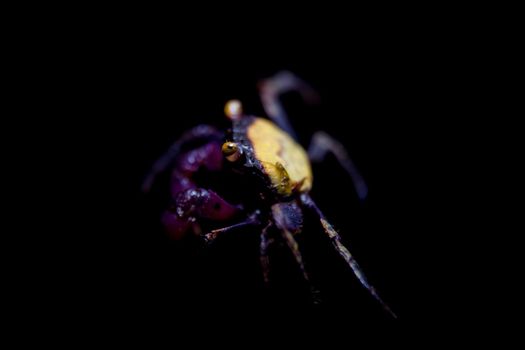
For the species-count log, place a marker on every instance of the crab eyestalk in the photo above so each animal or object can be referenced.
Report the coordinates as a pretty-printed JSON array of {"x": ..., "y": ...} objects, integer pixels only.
[{"x": 233, "y": 109}]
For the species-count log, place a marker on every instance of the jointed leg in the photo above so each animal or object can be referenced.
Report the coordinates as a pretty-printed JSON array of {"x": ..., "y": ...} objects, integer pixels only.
[
  {"x": 252, "y": 220},
  {"x": 321, "y": 144},
  {"x": 270, "y": 90},
  {"x": 335, "y": 238},
  {"x": 294, "y": 248},
  {"x": 288, "y": 219},
  {"x": 265, "y": 262}
]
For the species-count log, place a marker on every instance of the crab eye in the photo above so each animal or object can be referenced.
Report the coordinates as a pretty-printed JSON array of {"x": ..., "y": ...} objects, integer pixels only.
[{"x": 231, "y": 151}]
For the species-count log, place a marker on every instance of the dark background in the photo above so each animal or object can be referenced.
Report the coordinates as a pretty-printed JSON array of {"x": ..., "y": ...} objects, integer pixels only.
[{"x": 124, "y": 96}]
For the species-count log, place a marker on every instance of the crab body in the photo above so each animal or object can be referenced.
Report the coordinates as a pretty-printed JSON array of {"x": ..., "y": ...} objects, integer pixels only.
[{"x": 268, "y": 166}]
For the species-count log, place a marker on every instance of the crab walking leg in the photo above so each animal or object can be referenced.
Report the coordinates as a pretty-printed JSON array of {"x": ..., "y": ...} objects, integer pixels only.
[
  {"x": 335, "y": 238},
  {"x": 201, "y": 132},
  {"x": 252, "y": 220},
  {"x": 288, "y": 218},
  {"x": 272, "y": 88},
  {"x": 265, "y": 261},
  {"x": 294, "y": 247},
  {"x": 321, "y": 144},
  {"x": 212, "y": 235}
]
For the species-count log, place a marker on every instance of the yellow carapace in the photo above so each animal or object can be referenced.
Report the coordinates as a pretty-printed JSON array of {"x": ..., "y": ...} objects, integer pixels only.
[{"x": 282, "y": 158}]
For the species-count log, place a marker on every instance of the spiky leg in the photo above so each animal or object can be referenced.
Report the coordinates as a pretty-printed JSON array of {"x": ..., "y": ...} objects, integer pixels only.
[
  {"x": 335, "y": 238},
  {"x": 321, "y": 144}
]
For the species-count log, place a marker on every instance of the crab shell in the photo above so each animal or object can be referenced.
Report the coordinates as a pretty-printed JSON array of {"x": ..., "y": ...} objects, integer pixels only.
[{"x": 284, "y": 162}]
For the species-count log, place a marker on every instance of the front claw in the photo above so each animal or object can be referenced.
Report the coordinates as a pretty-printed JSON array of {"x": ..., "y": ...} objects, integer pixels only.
[
  {"x": 175, "y": 225},
  {"x": 192, "y": 205}
]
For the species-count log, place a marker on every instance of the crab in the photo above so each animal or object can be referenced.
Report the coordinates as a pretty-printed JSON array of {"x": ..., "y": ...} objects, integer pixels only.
[{"x": 264, "y": 157}]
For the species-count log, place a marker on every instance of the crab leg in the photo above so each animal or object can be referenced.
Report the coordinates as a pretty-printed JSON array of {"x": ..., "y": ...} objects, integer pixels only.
[
  {"x": 251, "y": 221},
  {"x": 321, "y": 144},
  {"x": 265, "y": 261},
  {"x": 288, "y": 219},
  {"x": 272, "y": 88},
  {"x": 294, "y": 247},
  {"x": 335, "y": 238}
]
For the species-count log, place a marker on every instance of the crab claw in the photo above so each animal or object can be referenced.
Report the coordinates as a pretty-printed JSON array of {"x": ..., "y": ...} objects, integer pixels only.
[{"x": 216, "y": 208}]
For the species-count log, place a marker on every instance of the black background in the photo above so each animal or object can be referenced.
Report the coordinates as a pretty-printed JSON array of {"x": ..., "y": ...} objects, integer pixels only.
[{"x": 122, "y": 97}]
